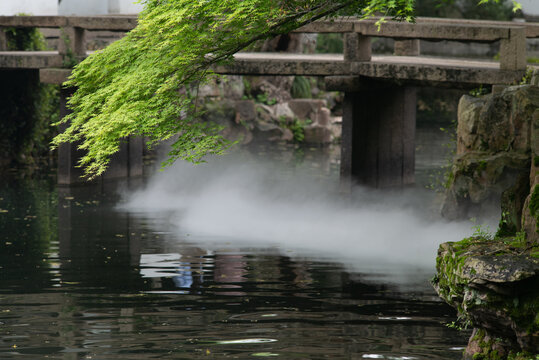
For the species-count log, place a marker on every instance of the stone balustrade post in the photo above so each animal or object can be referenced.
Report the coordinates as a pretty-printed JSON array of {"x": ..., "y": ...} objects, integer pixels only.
[
  {"x": 72, "y": 42},
  {"x": 3, "y": 40},
  {"x": 357, "y": 47},
  {"x": 513, "y": 50},
  {"x": 407, "y": 47}
]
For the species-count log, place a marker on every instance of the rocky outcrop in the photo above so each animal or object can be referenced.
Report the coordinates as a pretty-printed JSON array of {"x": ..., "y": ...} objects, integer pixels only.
[
  {"x": 495, "y": 137},
  {"x": 258, "y": 109},
  {"x": 493, "y": 281},
  {"x": 494, "y": 285}
]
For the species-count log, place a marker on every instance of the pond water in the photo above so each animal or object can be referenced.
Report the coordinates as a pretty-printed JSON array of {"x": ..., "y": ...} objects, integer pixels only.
[{"x": 233, "y": 262}]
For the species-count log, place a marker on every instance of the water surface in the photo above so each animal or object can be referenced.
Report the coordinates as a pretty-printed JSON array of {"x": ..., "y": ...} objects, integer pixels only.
[{"x": 86, "y": 274}]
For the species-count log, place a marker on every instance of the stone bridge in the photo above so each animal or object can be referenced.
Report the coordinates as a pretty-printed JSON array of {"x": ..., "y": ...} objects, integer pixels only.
[{"x": 378, "y": 137}]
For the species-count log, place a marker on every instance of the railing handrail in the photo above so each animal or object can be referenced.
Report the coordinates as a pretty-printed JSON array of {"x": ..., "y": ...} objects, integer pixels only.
[
  {"x": 104, "y": 22},
  {"x": 357, "y": 33},
  {"x": 424, "y": 28}
]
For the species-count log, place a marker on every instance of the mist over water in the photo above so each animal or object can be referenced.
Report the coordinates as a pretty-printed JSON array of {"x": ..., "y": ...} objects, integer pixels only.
[{"x": 241, "y": 201}]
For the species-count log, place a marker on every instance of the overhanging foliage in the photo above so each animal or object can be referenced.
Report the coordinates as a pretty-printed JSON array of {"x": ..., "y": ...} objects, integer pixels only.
[{"x": 145, "y": 84}]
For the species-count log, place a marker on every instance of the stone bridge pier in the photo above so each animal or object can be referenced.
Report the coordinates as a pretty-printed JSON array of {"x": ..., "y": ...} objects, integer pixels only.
[
  {"x": 379, "y": 120},
  {"x": 378, "y": 136}
]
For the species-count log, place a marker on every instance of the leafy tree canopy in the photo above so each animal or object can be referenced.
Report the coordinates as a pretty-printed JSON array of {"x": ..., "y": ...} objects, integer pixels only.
[
  {"x": 145, "y": 84},
  {"x": 468, "y": 9}
]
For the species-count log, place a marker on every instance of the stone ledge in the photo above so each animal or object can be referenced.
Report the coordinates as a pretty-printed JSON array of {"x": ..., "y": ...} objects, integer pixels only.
[
  {"x": 54, "y": 76},
  {"x": 494, "y": 285}
]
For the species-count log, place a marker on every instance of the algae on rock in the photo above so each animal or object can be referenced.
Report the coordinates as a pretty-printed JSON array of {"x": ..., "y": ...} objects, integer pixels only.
[
  {"x": 493, "y": 282},
  {"x": 495, "y": 137},
  {"x": 494, "y": 285}
]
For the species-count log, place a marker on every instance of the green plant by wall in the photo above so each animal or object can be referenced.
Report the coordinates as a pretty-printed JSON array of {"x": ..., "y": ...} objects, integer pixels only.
[
  {"x": 263, "y": 99},
  {"x": 480, "y": 91},
  {"x": 25, "y": 39},
  {"x": 329, "y": 44},
  {"x": 527, "y": 78},
  {"x": 69, "y": 60},
  {"x": 301, "y": 88},
  {"x": 467, "y": 9},
  {"x": 28, "y": 108},
  {"x": 296, "y": 126}
]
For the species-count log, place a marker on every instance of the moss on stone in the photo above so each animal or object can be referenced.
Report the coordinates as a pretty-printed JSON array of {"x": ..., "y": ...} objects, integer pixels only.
[{"x": 487, "y": 279}]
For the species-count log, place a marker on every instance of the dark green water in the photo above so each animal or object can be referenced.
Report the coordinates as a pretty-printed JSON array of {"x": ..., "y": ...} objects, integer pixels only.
[{"x": 80, "y": 279}]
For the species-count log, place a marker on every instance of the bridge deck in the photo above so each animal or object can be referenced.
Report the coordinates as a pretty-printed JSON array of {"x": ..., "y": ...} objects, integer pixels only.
[
  {"x": 405, "y": 68},
  {"x": 413, "y": 68}
]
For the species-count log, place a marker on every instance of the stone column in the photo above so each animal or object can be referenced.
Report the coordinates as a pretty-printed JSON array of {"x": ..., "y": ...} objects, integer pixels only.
[
  {"x": 513, "y": 50},
  {"x": 72, "y": 44},
  {"x": 378, "y": 139},
  {"x": 3, "y": 40},
  {"x": 357, "y": 47}
]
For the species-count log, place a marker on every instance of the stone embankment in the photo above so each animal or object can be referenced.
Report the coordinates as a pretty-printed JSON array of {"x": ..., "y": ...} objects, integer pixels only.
[{"x": 493, "y": 280}]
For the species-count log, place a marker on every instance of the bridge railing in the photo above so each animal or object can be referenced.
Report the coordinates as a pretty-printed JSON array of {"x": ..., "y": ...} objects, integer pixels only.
[
  {"x": 357, "y": 34},
  {"x": 72, "y": 28}
]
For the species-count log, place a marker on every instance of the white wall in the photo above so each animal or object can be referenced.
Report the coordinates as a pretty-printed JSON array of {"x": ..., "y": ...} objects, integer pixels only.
[
  {"x": 34, "y": 7},
  {"x": 530, "y": 7},
  {"x": 83, "y": 7},
  {"x": 124, "y": 7}
]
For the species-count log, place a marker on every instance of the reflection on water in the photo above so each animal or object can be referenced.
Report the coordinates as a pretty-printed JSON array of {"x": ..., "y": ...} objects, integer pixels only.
[{"x": 80, "y": 279}]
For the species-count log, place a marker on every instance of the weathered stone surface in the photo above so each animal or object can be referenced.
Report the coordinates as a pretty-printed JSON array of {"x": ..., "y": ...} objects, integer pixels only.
[
  {"x": 3, "y": 40},
  {"x": 223, "y": 112},
  {"x": 494, "y": 138},
  {"x": 274, "y": 90},
  {"x": 323, "y": 117},
  {"x": 412, "y": 68},
  {"x": 513, "y": 50},
  {"x": 306, "y": 108},
  {"x": 406, "y": 47},
  {"x": 245, "y": 112},
  {"x": 317, "y": 134},
  {"x": 494, "y": 284},
  {"x": 30, "y": 60},
  {"x": 479, "y": 179},
  {"x": 530, "y": 212},
  {"x": 468, "y": 120},
  {"x": 433, "y": 30},
  {"x": 54, "y": 76},
  {"x": 233, "y": 87},
  {"x": 283, "y": 112}
]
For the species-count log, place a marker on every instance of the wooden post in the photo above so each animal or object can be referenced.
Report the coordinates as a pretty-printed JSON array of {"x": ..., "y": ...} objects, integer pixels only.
[
  {"x": 357, "y": 47},
  {"x": 513, "y": 50},
  {"x": 407, "y": 47}
]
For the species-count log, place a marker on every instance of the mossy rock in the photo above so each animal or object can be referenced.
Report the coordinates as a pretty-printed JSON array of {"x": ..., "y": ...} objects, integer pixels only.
[
  {"x": 479, "y": 179},
  {"x": 494, "y": 285}
]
